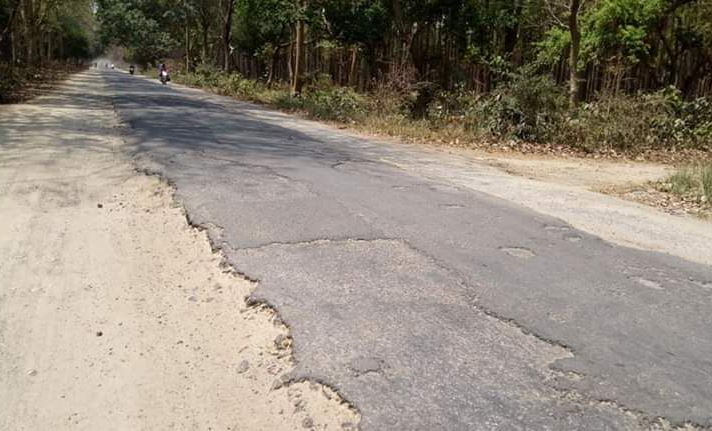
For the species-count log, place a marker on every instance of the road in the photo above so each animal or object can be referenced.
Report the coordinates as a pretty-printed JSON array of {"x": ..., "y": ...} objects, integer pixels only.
[
  {"x": 426, "y": 304},
  {"x": 115, "y": 314}
]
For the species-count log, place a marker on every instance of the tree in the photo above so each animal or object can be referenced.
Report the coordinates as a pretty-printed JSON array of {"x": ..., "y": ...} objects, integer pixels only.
[
  {"x": 574, "y": 73},
  {"x": 140, "y": 26},
  {"x": 229, "y": 9},
  {"x": 298, "y": 82}
]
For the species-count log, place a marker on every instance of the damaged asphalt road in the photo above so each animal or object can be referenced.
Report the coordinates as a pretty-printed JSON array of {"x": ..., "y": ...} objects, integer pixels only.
[{"x": 427, "y": 305}]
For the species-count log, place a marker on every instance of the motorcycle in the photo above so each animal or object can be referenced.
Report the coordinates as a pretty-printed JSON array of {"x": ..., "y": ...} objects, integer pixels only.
[
  {"x": 164, "y": 77},
  {"x": 132, "y": 69}
]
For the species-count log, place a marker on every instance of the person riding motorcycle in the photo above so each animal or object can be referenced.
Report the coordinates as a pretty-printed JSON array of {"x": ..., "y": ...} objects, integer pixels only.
[
  {"x": 132, "y": 69},
  {"x": 163, "y": 75}
]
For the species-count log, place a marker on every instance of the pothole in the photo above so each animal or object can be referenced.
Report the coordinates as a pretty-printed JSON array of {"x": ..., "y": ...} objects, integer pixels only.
[
  {"x": 520, "y": 252},
  {"x": 452, "y": 206},
  {"x": 648, "y": 283},
  {"x": 572, "y": 237}
]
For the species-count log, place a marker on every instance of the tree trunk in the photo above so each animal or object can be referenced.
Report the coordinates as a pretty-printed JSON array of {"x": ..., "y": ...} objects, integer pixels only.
[
  {"x": 8, "y": 28},
  {"x": 227, "y": 34},
  {"x": 574, "y": 75},
  {"x": 298, "y": 82},
  {"x": 205, "y": 28},
  {"x": 352, "y": 68},
  {"x": 187, "y": 47},
  {"x": 272, "y": 66}
]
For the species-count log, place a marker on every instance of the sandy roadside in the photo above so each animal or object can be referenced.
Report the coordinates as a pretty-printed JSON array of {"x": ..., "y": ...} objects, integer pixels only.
[{"x": 114, "y": 313}]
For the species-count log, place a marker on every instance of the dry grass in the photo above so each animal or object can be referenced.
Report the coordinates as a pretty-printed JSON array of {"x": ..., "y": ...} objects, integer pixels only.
[{"x": 692, "y": 183}]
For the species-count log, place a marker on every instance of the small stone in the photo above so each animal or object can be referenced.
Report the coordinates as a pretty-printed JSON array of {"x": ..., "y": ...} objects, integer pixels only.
[
  {"x": 279, "y": 382},
  {"x": 348, "y": 426},
  {"x": 243, "y": 367},
  {"x": 308, "y": 423},
  {"x": 32, "y": 373},
  {"x": 99, "y": 333},
  {"x": 282, "y": 342},
  {"x": 192, "y": 298},
  {"x": 99, "y": 205}
]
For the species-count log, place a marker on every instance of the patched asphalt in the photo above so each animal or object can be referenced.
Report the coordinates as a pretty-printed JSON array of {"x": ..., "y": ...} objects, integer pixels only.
[{"x": 427, "y": 305}]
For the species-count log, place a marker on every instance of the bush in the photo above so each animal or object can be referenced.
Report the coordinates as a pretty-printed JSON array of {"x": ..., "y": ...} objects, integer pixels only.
[
  {"x": 339, "y": 104},
  {"x": 636, "y": 124},
  {"x": 458, "y": 107},
  {"x": 529, "y": 107},
  {"x": 335, "y": 103}
]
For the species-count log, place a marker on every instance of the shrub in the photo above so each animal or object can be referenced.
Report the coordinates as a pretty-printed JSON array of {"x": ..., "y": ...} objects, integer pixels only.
[
  {"x": 639, "y": 123},
  {"x": 335, "y": 103},
  {"x": 621, "y": 123},
  {"x": 528, "y": 107},
  {"x": 457, "y": 107},
  {"x": 339, "y": 104}
]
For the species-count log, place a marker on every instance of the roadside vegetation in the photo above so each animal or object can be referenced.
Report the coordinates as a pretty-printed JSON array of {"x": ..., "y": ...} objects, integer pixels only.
[
  {"x": 691, "y": 183},
  {"x": 604, "y": 77},
  {"x": 42, "y": 42},
  {"x": 528, "y": 113}
]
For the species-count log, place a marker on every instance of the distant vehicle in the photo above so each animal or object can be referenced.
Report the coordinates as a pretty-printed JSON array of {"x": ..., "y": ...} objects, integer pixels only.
[
  {"x": 163, "y": 75},
  {"x": 132, "y": 69},
  {"x": 112, "y": 66}
]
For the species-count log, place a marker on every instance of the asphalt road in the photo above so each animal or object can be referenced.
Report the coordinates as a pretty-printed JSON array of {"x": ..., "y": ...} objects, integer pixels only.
[{"x": 426, "y": 305}]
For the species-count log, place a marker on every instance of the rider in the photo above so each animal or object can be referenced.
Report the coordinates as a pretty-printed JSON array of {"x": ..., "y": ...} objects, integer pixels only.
[{"x": 162, "y": 69}]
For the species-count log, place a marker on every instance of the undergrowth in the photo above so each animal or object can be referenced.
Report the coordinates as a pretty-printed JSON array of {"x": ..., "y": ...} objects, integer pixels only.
[
  {"x": 693, "y": 183},
  {"x": 526, "y": 109}
]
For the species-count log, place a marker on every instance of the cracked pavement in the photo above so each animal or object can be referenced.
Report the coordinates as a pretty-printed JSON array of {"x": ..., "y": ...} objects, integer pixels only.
[{"x": 426, "y": 304}]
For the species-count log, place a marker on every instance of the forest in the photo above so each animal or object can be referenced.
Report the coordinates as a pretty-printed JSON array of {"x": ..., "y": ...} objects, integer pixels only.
[
  {"x": 594, "y": 45},
  {"x": 43, "y": 40},
  {"x": 557, "y": 72}
]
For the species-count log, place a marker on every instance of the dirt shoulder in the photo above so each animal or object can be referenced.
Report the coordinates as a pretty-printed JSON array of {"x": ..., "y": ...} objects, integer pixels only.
[
  {"x": 114, "y": 312},
  {"x": 22, "y": 84}
]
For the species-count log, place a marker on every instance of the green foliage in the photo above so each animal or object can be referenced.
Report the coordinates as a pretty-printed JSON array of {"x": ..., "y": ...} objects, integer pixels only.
[
  {"x": 262, "y": 25},
  {"x": 635, "y": 124},
  {"x": 621, "y": 28},
  {"x": 358, "y": 22},
  {"x": 335, "y": 104},
  {"x": 684, "y": 123},
  {"x": 553, "y": 47},
  {"x": 529, "y": 107},
  {"x": 493, "y": 69},
  {"x": 138, "y": 25}
]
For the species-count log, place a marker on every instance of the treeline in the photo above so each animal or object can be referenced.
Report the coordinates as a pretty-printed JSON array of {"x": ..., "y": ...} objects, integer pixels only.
[
  {"x": 591, "y": 45},
  {"x": 33, "y": 32}
]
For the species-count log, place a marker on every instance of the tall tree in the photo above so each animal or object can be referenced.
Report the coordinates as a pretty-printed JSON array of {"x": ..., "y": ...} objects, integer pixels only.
[
  {"x": 229, "y": 10},
  {"x": 574, "y": 73},
  {"x": 300, "y": 28}
]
